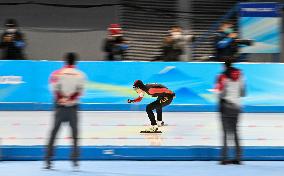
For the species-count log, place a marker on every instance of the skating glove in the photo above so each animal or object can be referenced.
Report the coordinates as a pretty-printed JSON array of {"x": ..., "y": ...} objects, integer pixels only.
[{"x": 130, "y": 101}]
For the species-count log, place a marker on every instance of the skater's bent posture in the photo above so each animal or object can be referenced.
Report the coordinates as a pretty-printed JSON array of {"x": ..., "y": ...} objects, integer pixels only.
[{"x": 164, "y": 98}]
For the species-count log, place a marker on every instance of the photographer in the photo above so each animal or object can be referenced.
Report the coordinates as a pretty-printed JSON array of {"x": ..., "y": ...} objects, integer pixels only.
[
  {"x": 115, "y": 45},
  {"x": 225, "y": 42},
  {"x": 174, "y": 44},
  {"x": 12, "y": 42}
]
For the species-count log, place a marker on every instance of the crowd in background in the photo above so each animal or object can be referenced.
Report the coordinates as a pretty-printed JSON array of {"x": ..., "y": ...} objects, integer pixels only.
[
  {"x": 115, "y": 45},
  {"x": 173, "y": 46}
]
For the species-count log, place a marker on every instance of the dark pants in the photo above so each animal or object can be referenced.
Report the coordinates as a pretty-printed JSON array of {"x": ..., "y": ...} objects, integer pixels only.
[
  {"x": 229, "y": 117},
  {"x": 64, "y": 114},
  {"x": 158, "y": 105}
]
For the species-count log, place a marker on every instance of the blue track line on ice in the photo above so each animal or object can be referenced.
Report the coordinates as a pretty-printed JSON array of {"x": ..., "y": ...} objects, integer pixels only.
[{"x": 165, "y": 153}]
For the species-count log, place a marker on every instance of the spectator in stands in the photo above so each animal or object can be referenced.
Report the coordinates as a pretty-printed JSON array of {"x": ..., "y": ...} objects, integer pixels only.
[
  {"x": 12, "y": 42},
  {"x": 115, "y": 45},
  {"x": 168, "y": 53},
  {"x": 226, "y": 47},
  {"x": 174, "y": 44}
]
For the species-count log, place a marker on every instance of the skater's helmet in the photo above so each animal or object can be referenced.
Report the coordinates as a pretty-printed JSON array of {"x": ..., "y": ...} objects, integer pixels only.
[{"x": 138, "y": 84}]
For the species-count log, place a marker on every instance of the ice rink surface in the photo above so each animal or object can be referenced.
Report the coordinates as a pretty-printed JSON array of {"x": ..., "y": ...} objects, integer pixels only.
[
  {"x": 122, "y": 128},
  {"x": 143, "y": 168}
]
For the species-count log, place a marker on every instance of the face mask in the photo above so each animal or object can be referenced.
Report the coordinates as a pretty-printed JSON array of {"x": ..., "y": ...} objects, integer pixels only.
[
  {"x": 228, "y": 30},
  {"x": 176, "y": 34},
  {"x": 11, "y": 30}
]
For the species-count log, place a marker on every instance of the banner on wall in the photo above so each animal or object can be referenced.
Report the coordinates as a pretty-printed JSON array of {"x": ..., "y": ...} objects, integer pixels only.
[
  {"x": 110, "y": 83},
  {"x": 261, "y": 22}
]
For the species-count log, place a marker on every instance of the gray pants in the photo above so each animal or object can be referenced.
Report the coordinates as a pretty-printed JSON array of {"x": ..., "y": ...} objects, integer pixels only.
[
  {"x": 229, "y": 118},
  {"x": 64, "y": 114}
]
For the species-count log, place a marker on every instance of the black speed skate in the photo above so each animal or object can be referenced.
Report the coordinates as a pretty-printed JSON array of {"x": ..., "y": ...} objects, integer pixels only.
[
  {"x": 48, "y": 165},
  {"x": 152, "y": 129},
  {"x": 161, "y": 123}
]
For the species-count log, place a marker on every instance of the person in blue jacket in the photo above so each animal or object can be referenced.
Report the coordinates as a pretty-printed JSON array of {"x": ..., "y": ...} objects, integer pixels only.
[{"x": 225, "y": 42}]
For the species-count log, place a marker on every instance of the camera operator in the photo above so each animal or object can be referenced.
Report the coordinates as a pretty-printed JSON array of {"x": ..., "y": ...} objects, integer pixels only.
[
  {"x": 225, "y": 44},
  {"x": 115, "y": 45},
  {"x": 12, "y": 42},
  {"x": 174, "y": 44}
]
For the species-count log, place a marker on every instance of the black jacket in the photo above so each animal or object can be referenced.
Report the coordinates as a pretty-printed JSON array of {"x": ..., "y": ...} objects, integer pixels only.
[
  {"x": 12, "y": 45},
  {"x": 225, "y": 47},
  {"x": 115, "y": 48}
]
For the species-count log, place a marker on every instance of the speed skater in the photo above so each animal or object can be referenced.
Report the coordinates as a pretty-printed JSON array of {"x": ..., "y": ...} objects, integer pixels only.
[{"x": 164, "y": 98}]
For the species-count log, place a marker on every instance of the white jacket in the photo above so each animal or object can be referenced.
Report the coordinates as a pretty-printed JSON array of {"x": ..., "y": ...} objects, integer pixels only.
[{"x": 68, "y": 82}]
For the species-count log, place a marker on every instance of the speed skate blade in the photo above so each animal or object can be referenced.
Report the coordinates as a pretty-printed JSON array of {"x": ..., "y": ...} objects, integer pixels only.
[{"x": 144, "y": 131}]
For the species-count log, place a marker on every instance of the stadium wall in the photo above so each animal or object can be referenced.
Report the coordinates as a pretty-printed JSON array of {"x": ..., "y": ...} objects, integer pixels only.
[{"x": 51, "y": 31}]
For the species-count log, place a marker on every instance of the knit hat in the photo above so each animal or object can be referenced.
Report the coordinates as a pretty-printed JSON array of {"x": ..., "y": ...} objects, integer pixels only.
[
  {"x": 115, "y": 30},
  {"x": 11, "y": 23}
]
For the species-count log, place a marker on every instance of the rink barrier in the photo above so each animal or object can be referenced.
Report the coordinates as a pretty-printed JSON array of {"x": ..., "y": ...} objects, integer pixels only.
[
  {"x": 176, "y": 153},
  {"x": 136, "y": 107},
  {"x": 24, "y": 85}
]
